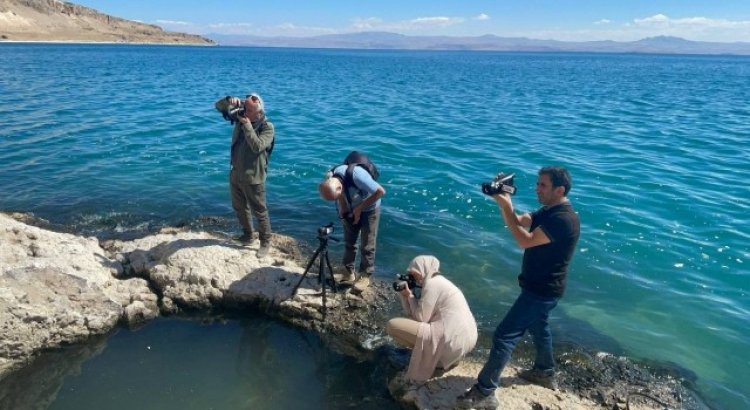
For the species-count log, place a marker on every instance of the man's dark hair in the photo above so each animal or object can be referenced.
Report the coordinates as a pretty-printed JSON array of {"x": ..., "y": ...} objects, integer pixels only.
[{"x": 559, "y": 177}]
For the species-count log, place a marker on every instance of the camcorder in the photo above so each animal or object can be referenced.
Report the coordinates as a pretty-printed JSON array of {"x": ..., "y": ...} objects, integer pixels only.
[
  {"x": 325, "y": 230},
  {"x": 233, "y": 114},
  {"x": 404, "y": 280},
  {"x": 230, "y": 112},
  {"x": 501, "y": 184}
]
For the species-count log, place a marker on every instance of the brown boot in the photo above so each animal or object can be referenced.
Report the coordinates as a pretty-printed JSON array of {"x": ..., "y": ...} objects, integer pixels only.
[
  {"x": 265, "y": 247},
  {"x": 246, "y": 239},
  {"x": 344, "y": 276},
  {"x": 362, "y": 284}
]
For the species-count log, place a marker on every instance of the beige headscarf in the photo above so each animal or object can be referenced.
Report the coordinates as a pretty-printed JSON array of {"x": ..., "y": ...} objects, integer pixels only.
[{"x": 427, "y": 265}]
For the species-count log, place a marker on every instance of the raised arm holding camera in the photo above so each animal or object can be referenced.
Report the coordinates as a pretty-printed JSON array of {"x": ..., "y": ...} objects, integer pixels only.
[
  {"x": 548, "y": 237},
  {"x": 252, "y": 143},
  {"x": 440, "y": 328}
]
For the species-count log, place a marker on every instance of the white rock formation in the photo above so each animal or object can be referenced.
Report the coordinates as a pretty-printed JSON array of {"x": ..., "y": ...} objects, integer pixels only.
[
  {"x": 59, "y": 288},
  {"x": 439, "y": 393},
  {"x": 200, "y": 271}
]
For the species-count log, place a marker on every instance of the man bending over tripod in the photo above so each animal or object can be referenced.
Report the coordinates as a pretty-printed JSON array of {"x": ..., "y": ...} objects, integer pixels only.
[{"x": 357, "y": 197}]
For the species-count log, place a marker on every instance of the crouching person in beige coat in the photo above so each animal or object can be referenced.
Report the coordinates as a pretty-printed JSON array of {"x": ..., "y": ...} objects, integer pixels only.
[{"x": 440, "y": 328}]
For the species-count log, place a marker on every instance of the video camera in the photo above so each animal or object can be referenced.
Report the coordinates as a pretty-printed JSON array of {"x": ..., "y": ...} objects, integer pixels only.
[
  {"x": 501, "y": 184},
  {"x": 402, "y": 281},
  {"x": 233, "y": 114},
  {"x": 229, "y": 111}
]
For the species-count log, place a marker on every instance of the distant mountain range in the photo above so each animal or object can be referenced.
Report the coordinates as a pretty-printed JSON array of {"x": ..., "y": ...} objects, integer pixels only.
[
  {"x": 392, "y": 41},
  {"x": 54, "y": 20}
]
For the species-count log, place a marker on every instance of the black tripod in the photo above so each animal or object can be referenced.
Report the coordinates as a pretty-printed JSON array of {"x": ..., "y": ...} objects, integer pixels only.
[{"x": 322, "y": 252}]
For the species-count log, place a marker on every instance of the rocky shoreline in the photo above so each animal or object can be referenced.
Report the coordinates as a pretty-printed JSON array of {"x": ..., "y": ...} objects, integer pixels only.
[
  {"x": 60, "y": 289},
  {"x": 59, "y": 21}
]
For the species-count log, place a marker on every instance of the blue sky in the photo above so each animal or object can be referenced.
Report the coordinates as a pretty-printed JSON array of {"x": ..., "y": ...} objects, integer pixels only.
[{"x": 708, "y": 20}]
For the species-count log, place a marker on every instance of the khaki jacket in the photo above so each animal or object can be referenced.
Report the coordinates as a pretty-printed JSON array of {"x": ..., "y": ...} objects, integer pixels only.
[{"x": 249, "y": 149}]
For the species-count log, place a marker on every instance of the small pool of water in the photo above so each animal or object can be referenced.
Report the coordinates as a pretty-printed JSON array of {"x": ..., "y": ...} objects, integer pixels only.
[{"x": 253, "y": 363}]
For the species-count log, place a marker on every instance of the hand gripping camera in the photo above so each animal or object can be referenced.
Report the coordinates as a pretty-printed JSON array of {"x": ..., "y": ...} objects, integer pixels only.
[
  {"x": 231, "y": 113},
  {"x": 501, "y": 184},
  {"x": 402, "y": 281}
]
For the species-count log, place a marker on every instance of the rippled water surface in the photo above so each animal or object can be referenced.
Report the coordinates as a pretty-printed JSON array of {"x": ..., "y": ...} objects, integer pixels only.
[{"x": 115, "y": 138}]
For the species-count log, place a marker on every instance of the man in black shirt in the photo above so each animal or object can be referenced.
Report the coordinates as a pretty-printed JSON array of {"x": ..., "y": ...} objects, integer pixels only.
[{"x": 548, "y": 237}]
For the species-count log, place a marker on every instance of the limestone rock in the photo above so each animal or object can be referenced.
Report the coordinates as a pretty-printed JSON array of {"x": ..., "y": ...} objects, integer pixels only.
[
  {"x": 440, "y": 392},
  {"x": 57, "y": 288},
  {"x": 199, "y": 270}
]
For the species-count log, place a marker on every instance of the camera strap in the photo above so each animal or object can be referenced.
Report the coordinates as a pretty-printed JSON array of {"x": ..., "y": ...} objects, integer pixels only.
[{"x": 345, "y": 187}]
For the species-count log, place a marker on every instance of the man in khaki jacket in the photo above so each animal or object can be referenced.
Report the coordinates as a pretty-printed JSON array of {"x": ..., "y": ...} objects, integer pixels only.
[{"x": 252, "y": 142}]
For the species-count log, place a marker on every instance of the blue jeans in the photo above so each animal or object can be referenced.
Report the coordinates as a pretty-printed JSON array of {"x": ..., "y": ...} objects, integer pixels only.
[{"x": 529, "y": 312}]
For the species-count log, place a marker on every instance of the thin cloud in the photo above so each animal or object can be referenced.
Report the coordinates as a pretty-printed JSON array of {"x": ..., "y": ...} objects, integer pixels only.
[
  {"x": 693, "y": 28},
  {"x": 238, "y": 28},
  {"x": 416, "y": 24},
  {"x": 690, "y": 28},
  {"x": 482, "y": 17},
  {"x": 291, "y": 29},
  {"x": 174, "y": 23},
  {"x": 602, "y": 22},
  {"x": 435, "y": 21},
  {"x": 655, "y": 19},
  {"x": 661, "y": 20},
  {"x": 369, "y": 23},
  {"x": 220, "y": 26}
]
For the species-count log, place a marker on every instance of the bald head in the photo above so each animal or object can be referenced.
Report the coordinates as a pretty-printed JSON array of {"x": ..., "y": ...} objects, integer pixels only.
[{"x": 330, "y": 189}]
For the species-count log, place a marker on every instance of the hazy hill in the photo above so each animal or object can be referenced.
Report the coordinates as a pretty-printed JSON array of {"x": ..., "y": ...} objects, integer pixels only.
[
  {"x": 380, "y": 40},
  {"x": 52, "y": 20}
]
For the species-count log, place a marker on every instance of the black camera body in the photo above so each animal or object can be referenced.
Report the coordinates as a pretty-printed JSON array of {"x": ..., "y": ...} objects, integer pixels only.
[
  {"x": 402, "y": 281},
  {"x": 501, "y": 184},
  {"x": 233, "y": 114},
  {"x": 325, "y": 230}
]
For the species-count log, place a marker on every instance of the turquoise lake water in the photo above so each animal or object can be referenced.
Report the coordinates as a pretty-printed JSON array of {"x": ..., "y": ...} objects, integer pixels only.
[{"x": 109, "y": 139}]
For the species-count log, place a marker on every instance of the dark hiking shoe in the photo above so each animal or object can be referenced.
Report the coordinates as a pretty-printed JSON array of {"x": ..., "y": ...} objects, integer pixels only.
[
  {"x": 347, "y": 277},
  {"x": 539, "y": 377},
  {"x": 245, "y": 239},
  {"x": 265, "y": 247},
  {"x": 475, "y": 399}
]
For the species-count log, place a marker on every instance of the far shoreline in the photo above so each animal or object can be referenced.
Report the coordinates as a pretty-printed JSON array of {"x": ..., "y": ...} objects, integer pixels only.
[
  {"x": 402, "y": 50},
  {"x": 125, "y": 43}
]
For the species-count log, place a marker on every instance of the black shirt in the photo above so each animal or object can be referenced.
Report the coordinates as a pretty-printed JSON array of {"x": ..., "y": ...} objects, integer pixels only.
[{"x": 545, "y": 267}]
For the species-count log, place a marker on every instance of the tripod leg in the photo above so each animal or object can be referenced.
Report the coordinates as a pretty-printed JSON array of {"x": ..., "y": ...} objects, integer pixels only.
[
  {"x": 330, "y": 270},
  {"x": 307, "y": 269},
  {"x": 321, "y": 280}
]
